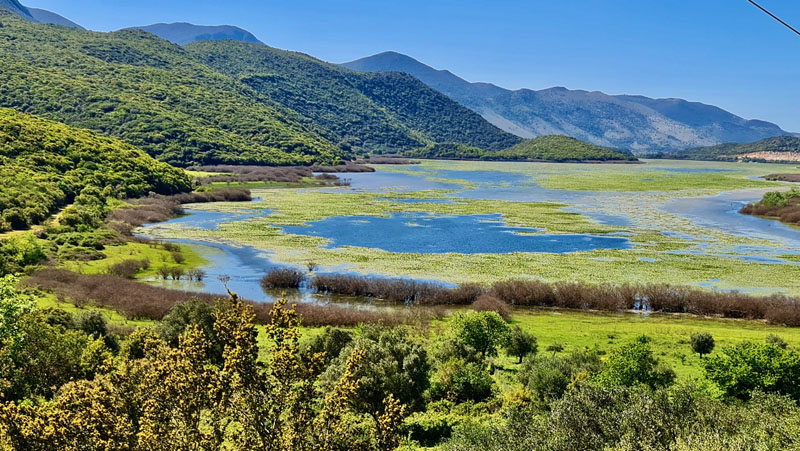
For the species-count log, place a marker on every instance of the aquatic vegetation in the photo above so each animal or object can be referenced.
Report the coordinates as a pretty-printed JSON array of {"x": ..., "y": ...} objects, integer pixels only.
[{"x": 665, "y": 247}]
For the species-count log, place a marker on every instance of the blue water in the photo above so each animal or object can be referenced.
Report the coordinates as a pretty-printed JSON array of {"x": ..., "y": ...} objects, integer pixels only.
[
  {"x": 436, "y": 234},
  {"x": 208, "y": 220}
]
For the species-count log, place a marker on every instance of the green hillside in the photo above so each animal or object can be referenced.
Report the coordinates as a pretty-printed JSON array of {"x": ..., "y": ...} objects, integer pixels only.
[
  {"x": 45, "y": 165},
  {"x": 543, "y": 148},
  {"x": 150, "y": 93},
  {"x": 371, "y": 112},
  {"x": 730, "y": 151}
]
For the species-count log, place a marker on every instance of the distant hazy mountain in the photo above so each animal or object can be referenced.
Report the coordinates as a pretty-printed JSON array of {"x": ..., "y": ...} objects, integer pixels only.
[
  {"x": 44, "y": 16},
  {"x": 16, "y": 7},
  {"x": 637, "y": 123},
  {"x": 778, "y": 148},
  {"x": 37, "y": 15},
  {"x": 182, "y": 33}
]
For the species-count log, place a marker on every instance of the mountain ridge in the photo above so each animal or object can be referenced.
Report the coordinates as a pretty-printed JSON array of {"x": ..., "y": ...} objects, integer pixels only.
[
  {"x": 183, "y": 33},
  {"x": 37, "y": 15},
  {"x": 634, "y": 122}
]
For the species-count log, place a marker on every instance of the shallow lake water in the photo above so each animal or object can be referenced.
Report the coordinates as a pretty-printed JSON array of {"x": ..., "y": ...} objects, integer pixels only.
[
  {"x": 463, "y": 234},
  {"x": 487, "y": 233}
]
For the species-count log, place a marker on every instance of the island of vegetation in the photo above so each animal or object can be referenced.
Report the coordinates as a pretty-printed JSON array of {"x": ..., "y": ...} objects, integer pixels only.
[
  {"x": 781, "y": 205},
  {"x": 555, "y": 148}
]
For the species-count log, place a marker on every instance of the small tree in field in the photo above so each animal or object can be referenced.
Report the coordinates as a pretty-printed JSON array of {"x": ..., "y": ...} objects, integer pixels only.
[
  {"x": 555, "y": 348},
  {"x": 521, "y": 343},
  {"x": 702, "y": 343}
]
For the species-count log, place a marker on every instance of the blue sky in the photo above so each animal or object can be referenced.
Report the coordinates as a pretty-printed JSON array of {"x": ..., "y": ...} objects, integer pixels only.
[{"x": 722, "y": 52}]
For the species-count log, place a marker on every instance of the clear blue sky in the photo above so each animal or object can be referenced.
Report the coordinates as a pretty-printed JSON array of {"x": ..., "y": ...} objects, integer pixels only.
[{"x": 723, "y": 52}]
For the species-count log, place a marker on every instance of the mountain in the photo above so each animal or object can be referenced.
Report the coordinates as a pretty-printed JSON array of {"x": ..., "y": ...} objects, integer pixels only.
[
  {"x": 152, "y": 94},
  {"x": 49, "y": 17},
  {"x": 45, "y": 164},
  {"x": 36, "y": 14},
  {"x": 777, "y": 149},
  {"x": 16, "y": 7},
  {"x": 553, "y": 148},
  {"x": 637, "y": 123},
  {"x": 182, "y": 33},
  {"x": 364, "y": 112}
]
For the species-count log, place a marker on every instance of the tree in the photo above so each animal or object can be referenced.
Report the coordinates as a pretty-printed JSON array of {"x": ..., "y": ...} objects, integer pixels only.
[
  {"x": 392, "y": 364},
  {"x": 459, "y": 381},
  {"x": 482, "y": 331},
  {"x": 634, "y": 364},
  {"x": 774, "y": 340},
  {"x": 521, "y": 344},
  {"x": 741, "y": 369},
  {"x": 702, "y": 343},
  {"x": 555, "y": 348}
]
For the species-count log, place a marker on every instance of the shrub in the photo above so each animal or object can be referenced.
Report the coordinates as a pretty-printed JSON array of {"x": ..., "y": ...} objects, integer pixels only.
[
  {"x": 128, "y": 268},
  {"x": 634, "y": 364},
  {"x": 741, "y": 369},
  {"x": 548, "y": 378},
  {"x": 196, "y": 274},
  {"x": 521, "y": 344},
  {"x": 194, "y": 312},
  {"x": 282, "y": 278},
  {"x": 133, "y": 348},
  {"x": 458, "y": 381},
  {"x": 489, "y": 303},
  {"x": 702, "y": 343},
  {"x": 178, "y": 257},
  {"x": 394, "y": 364},
  {"x": 774, "y": 340},
  {"x": 331, "y": 341}
]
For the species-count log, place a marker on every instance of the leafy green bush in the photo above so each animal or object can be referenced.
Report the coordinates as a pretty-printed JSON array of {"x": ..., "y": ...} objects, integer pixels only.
[
  {"x": 394, "y": 364},
  {"x": 741, "y": 369},
  {"x": 702, "y": 343},
  {"x": 521, "y": 344},
  {"x": 459, "y": 380},
  {"x": 634, "y": 364}
]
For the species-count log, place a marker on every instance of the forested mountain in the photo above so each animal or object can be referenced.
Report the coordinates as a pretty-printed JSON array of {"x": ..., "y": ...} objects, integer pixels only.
[
  {"x": 777, "y": 148},
  {"x": 45, "y": 165},
  {"x": 381, "y": 112},
  {"x": 554, "y": 148},
  {"x": 182, "y": 33},
  {"x": 631, "y": 122},
  {"x": 152, "y": 94}
]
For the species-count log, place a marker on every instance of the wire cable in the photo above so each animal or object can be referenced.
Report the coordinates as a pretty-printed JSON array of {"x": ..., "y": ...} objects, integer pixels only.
[{"x": 774, "y": 17}]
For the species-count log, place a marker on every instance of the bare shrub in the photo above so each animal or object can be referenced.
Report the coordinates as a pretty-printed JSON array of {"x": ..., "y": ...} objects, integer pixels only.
[
  {"x": 282, "y": 278},
  {"x": 489, "y": 303},
  {"x": 525, "y": 292},
  {"x": 178, "y": 257},
  {"x": 196, "y": 274},
  {"x": 128, "y": 268}
]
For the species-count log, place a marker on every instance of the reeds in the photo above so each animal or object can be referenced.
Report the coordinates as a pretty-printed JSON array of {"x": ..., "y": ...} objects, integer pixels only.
[{"x": 136, "y": 300}]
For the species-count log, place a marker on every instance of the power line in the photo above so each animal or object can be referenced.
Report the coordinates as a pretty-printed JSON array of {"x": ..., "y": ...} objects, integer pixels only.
[{"x": 774, "y": 16}]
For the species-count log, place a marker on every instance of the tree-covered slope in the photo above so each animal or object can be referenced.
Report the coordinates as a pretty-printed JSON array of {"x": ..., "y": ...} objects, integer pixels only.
[
  {"x": 777, "y": 148},
  {"x": 543, "y": 148},
  {"x": 362, "y": 111},
  {"x": 45, "y": 164},
  {"x": 150, "y": 93}
]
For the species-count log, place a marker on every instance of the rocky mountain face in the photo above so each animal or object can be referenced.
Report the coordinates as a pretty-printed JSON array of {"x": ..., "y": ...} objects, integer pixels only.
[{"x": 637, "y": 123}]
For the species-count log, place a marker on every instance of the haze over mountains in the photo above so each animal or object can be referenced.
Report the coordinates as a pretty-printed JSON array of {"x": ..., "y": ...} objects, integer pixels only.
[
  {"x": 638, "y": 123},
  {"x": 182, "y": 33},
  {"x": 37, "y": 15}
]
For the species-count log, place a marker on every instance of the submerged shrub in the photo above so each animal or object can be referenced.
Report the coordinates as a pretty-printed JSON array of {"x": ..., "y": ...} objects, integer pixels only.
[{"x": 282, "y": 278}]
